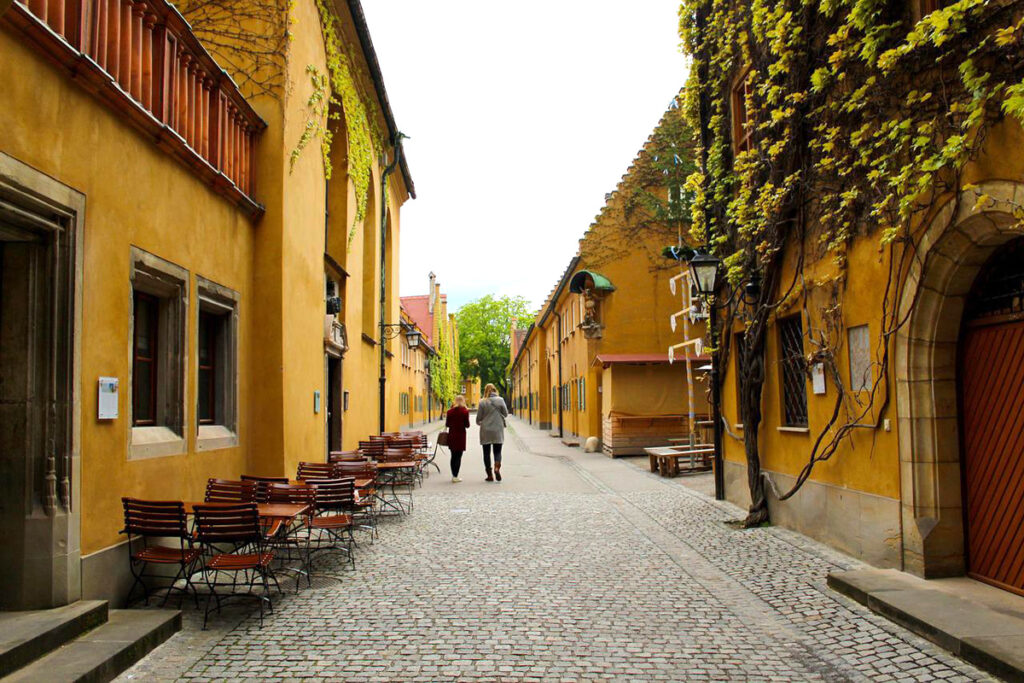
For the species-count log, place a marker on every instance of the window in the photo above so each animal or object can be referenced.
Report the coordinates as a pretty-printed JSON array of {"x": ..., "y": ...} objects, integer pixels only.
[
  {"x": 216, "y": 366},
  {"x": 554, "y": 399},
  {"x": 859, "y": 346},
  {"x": 158, "y": 303},
  {"x": 794, "y": 380},
  {"x": 582, "y": 393},
  {"x": 209, "y": 331},
  {"x": 741, "y": 125},
  {"x": 144, "y": 365}
]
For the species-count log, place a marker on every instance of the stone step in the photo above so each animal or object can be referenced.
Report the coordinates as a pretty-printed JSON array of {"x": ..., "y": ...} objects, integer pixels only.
[
  {"x": 26, "y": 636},
  {"x": 106, "y": 651}
]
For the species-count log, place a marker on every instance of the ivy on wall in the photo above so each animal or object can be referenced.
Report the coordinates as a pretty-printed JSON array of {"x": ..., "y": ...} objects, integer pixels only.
[
  {"x": 444, "y": 373},
  {"x": 862, "y": 116},
  {"x": 338, "y": 94}
]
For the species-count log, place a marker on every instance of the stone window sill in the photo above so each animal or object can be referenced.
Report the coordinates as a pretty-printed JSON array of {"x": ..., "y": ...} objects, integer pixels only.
[
  {"x": 213, "y": 437},
  {"x": 794, "y": 430},
  {"x": 155, "y": 442}
]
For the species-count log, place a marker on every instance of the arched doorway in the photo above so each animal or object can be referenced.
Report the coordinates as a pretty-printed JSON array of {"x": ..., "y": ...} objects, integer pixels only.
[
  {"x": 949, "y": 256},
  {"x": 992, "y": 419}
]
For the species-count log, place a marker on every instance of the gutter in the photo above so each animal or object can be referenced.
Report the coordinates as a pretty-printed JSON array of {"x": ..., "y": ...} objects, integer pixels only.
[{"x": 355, "y": 7}]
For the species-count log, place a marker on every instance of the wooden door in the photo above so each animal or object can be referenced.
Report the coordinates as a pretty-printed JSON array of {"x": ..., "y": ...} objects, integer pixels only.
[{"x": 992, "y": 410}]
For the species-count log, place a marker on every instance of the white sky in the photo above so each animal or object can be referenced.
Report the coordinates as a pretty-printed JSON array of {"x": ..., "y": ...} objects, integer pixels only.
[{"x": 522, "y": 115}]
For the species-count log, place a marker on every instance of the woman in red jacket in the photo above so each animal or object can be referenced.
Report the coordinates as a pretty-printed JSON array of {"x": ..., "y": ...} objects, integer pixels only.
[{"x": 456, "y": 421}]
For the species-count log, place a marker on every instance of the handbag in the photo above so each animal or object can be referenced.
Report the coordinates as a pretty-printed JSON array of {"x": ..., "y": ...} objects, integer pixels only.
[{"x": 442, "y": 439}]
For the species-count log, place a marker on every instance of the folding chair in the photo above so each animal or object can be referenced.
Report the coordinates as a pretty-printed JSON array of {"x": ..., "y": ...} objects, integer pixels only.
[
  {"x": 148, "y": 520},
  {"x": 237, "y": 525}
]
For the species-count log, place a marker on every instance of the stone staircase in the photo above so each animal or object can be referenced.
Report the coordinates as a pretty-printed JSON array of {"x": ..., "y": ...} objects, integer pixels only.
[{"x": 83, "y": 641}]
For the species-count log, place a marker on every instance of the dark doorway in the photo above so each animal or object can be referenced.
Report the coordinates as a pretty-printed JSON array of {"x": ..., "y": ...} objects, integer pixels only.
[
  {"x": 335, "y": 407},
  {"x": 36, "y": 333}
]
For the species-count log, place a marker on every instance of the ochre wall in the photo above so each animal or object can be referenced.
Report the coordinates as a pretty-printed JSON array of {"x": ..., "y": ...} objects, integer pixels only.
[{"x": 135, "y": 195}]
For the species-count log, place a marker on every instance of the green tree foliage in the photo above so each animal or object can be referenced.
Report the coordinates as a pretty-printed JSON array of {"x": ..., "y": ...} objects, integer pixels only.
[
  {"x": 484, "y": 343},
  {"x": 444, "y": 368}
]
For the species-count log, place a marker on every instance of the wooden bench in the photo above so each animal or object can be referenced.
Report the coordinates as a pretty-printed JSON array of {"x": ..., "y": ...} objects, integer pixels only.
[{"x": 668, "y": 461}]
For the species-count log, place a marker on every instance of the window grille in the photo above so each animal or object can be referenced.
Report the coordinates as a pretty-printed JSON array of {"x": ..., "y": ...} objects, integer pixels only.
[
  {"x": 999, "y": 291},
  {"x": 794, "y": 380}
]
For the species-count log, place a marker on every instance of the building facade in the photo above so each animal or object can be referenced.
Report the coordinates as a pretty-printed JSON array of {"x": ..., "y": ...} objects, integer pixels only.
[
  {"x": 177, "y": 303},
  {"x": 892, "y": 373},
  {"x": 595, "y": 359}
]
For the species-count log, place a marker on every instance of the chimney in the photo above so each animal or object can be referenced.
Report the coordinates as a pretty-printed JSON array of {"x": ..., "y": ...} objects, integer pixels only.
[{"x": 430, "y": 293}]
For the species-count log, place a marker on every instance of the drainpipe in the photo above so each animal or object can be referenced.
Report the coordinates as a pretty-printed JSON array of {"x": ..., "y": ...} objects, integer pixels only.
[
  {"x": 529, "y": 389},
  {"x": 560, "y": 389},
  {"x": 397, "y": 144}
]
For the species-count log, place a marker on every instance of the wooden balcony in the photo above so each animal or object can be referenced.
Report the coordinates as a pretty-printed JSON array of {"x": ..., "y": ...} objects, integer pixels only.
[{"x": 141, "y": 58}]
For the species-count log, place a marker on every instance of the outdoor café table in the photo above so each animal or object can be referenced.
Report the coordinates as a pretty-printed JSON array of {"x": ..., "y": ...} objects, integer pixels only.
[{"x": 389, "y": 472}]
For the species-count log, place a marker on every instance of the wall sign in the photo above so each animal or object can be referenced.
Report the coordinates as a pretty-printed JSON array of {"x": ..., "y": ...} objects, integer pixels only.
[{"x": 107, "y": 404}]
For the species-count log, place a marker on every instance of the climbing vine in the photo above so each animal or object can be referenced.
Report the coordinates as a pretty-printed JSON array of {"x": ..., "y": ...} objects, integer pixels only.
[
  {"x": 339, "y": 95},
  {"x": 821, "y": 122},
  {"x": 445, "y": 365}
]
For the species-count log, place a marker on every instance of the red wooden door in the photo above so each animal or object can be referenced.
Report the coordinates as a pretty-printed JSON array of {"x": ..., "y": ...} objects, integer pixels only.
[{"x": 992, "y": 409}]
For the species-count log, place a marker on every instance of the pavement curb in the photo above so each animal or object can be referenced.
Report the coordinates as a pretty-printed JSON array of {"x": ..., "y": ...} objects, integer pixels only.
[{"x": 989, "y": 639}]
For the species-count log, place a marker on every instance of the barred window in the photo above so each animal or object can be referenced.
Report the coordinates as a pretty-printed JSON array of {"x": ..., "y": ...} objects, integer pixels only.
[{"x": 794, "y": 380}]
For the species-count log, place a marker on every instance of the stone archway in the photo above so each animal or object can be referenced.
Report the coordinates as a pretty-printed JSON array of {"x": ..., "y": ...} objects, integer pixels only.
[{"x": 951, "y": 252}]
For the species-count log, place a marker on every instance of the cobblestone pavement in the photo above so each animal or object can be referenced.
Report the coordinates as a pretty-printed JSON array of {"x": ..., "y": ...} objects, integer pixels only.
[{"x": 575, "y": 567}]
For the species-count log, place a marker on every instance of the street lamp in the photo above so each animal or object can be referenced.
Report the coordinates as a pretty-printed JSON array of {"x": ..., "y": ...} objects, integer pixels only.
[
  {"x": 704, "y": 270},
  {"x": 390, "y": 331}
]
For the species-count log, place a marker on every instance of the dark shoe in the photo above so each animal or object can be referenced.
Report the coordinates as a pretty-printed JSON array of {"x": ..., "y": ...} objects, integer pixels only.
[
  {"x": 489, "y": 477},
  {"x": 497, "y": 471}
]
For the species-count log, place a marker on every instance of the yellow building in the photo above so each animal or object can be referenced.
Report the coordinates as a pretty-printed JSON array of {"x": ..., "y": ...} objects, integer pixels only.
[
  {"x": 177, "y": 303},
  {"x": 429, "y": 312},
  {"x": 595, "y": 359},
  {"x": 910, "y": 356}
]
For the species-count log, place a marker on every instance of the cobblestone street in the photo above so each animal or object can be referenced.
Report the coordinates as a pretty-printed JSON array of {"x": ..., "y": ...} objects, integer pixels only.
[{"x": 575, "y": 567}]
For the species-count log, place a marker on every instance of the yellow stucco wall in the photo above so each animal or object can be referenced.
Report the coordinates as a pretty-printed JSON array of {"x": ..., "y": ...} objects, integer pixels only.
[
  {"x": 869, "y": 461},
  {"x": 138, "y": 195},
  {"x": 135, "y": 195}
]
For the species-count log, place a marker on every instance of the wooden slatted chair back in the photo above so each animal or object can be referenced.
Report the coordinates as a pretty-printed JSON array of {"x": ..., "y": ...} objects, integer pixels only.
[
  {"x": 298, "y": 494},
  {"x": 157, "y": 518},
  {"x": 334, "y": 494},
  {"x": 400, "y": 442},
  {"x": 397, "y": 454},
  {"x": 230, "y": 491},
  {"x": 262, "y": 492},
  {"x": 340, "y": 456},
  {"x": 238, "y": 524},
  {"x": 366, "y": 469},
  {"x": 315, "y": 470}
]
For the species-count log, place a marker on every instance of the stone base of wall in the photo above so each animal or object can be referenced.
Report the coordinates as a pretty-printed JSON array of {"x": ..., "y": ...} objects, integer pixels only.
[
  {"x": 861, "y": 524},
  {"x": 106, "y": 575}
]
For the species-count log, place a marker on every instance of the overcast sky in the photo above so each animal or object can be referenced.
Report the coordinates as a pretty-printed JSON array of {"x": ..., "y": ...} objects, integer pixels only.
[{"x": 521, "y": 117}]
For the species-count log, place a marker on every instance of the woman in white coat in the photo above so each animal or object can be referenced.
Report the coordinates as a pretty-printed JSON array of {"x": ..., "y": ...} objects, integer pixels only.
[{"x": 490, "y": 415}]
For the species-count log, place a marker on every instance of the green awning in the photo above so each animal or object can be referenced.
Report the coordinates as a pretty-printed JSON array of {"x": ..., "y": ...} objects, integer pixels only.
[{"x": 599, "y": 282}]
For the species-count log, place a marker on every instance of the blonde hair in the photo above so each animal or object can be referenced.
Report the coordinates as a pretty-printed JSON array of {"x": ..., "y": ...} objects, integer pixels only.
[
  {"x": 460, "y": 400},
  {"x": 490, "y": 390}
]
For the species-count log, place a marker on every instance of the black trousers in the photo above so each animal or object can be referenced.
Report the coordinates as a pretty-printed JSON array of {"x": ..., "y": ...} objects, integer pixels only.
[
  {"x": 487, "y": 455},
  {"x": 456, "y": 462}
]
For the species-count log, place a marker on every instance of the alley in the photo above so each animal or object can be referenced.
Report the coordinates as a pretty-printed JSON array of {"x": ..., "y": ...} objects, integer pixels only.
[{"x": 575, "y": 567}]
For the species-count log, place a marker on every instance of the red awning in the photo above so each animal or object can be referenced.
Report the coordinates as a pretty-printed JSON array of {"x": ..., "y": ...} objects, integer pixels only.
[{"x": 606, "y": 359}]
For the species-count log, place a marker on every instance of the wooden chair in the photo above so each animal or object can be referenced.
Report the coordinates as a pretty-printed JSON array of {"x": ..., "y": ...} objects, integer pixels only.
[
  {"x": 262, "y": 490},
  {"x": 365, "y": 510},
  {"x": 294, "y": 543},
  {"x": 334, "y": 503},
  {"x": 239, "y": 526},
  {"x": 340, "y": 456},
  {"x": 145, "y": 521},
  {"x": 315, "y": 470},
  {"x": 230, "y": 491}
]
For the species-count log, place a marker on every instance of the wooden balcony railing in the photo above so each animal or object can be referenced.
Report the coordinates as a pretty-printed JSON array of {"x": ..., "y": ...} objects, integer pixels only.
[{"x": 143, "y": 59}]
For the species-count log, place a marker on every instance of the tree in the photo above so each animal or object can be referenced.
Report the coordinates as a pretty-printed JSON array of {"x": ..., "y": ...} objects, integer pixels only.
[{"x": 484, "y": 343}]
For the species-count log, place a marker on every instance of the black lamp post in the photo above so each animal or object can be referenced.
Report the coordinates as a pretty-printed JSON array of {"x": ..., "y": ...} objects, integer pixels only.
[{"x": 704, "y": 271}]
